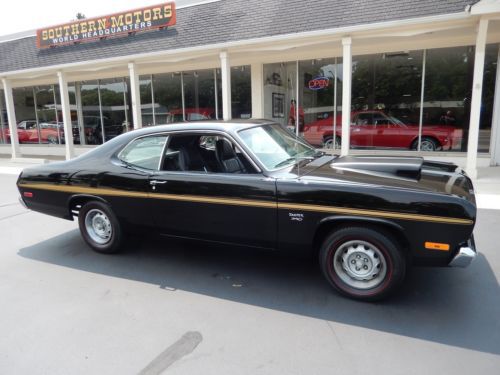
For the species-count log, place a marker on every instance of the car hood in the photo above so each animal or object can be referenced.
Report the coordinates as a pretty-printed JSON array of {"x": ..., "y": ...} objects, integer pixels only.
[{"x": 389, "y": 171}]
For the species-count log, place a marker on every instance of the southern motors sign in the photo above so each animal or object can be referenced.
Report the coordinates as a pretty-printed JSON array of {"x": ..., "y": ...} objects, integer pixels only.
[{"x": 106, "y": 26}]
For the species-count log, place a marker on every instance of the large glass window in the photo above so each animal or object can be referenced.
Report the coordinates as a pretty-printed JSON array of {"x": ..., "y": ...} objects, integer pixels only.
[
  {"x": 447, "y": 95},
  {"x": 27, "y": 125},
  {"x": 4, "y": 124},
  {"x": 199, "y": 95},
  {"x": 146, "y": 92},
  {"x": 320, "y": 101},
  {"x": 114, "y": 107},
  {"x": 490, "y": 74},
  {"x": 386, "y": 91},
  {"x": 241, "y": 92},
  {"x": 280, "y": 93},
  {"x": 167, "y": 91},
  {"x": 101, "y": 110}
]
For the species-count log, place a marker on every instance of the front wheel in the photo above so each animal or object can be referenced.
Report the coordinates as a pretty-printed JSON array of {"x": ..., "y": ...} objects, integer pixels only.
[
  {"x": 99, "y": 227},
  {"x": 362, "y": 263}
]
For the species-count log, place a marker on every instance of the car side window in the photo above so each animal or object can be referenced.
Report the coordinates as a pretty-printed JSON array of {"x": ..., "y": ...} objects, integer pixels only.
[
  {"x": 144, "y": 152},
  {"x": 205, "y": 153}
]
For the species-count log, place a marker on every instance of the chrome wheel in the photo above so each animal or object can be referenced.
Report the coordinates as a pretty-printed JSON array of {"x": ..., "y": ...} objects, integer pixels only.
[
  {"x": 98, "y": 226},
  {"x": 329, "y": 142},
  {"x": 427, "y": 145},
  {"x": 360, "y": 264}
]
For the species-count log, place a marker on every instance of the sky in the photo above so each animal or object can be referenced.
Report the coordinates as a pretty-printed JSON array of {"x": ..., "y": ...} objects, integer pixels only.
[{"x": 24, "y": 15}]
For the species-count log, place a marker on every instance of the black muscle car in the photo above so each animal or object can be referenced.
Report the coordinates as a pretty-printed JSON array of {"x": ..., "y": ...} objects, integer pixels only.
[{"x": 253, "y": 183}]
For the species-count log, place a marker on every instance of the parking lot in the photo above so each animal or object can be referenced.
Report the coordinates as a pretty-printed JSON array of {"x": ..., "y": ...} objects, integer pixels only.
[{"x": 192, "y": 308}]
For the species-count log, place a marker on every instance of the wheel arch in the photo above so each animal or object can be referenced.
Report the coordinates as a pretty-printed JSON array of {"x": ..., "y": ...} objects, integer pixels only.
[
  {"x": 331, "y": 223},
  {"x": 75, "y": 202}
]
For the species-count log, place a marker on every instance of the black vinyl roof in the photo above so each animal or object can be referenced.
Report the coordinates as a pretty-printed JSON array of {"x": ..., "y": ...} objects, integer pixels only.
[{"x": 227, "y": 21}]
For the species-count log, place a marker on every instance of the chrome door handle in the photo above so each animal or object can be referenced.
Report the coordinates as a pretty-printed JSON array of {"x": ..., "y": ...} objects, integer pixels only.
[{"x": 156, "y": 182}]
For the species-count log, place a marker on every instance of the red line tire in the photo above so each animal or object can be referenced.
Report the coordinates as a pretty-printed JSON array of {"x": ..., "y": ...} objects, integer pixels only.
[{"x": 362, "y": 263}]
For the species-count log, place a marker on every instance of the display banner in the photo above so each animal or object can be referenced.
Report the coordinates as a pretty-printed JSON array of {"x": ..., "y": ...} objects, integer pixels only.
[{"x": 84, "y": 30}]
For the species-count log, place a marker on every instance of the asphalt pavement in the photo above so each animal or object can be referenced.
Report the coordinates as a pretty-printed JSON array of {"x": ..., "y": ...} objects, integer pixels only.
[{"x": 190, "y": 308}]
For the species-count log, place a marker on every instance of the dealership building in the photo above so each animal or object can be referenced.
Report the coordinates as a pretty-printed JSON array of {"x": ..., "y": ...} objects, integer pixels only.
[{"x": 382, "y": 76}]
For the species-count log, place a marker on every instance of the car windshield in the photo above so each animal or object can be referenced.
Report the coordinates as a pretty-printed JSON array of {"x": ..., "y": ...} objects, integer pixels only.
[{"x": 275, "y": 146}]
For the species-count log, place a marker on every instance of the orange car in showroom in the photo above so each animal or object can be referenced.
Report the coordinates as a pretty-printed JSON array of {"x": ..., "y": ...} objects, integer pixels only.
[{"x": 376, "y": 129}]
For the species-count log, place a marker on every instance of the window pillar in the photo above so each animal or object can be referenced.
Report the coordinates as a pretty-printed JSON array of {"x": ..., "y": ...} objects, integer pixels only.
[
  {"x": 257, "y": 84},
  {"x": 346, "y": 94},
  {"x": 495, "y": 123},
  {"x": 11, "y": 116},
  {"x": 65, "y": 108},
  {"x": 226, "y": 85},
  {"x": 135, "y": 95},
  {"x": 477, "y": 89}
]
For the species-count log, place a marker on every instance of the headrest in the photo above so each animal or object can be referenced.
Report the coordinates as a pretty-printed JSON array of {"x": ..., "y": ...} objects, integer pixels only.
[{"x": 224, "y": 149}]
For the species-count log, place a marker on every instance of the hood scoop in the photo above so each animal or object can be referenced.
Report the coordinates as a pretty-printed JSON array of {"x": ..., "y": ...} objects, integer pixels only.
[{"x": 382, "y": 166}]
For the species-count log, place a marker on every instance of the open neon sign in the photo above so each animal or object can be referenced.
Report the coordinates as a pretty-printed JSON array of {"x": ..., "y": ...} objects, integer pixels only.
[{"x": 319, "y": 83}]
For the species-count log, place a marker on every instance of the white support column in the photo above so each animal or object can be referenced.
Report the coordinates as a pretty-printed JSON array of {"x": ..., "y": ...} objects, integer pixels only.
[
  {"x": 225, "y": 69},
  {"x": 495, "y": 122},
  {"x": 135, "y": 95},
  {"x": 68, "y": 127},
  {"x": 346, "y": 94},
  {"x": 477, "y": 89},
  {"x": 257, "y": 72},
  {"x": 11, "y": 116}
]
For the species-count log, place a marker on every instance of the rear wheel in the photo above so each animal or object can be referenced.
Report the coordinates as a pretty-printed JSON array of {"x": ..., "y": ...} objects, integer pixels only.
[
  {"x": 426, "y": 144},
  {"x": 52, "y": 139},
  {"x": 362, "y": 263},
  {"x": 99, "y": 227}
]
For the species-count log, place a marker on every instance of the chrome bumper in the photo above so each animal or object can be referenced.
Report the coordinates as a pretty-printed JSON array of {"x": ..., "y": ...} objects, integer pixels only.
[{"x": 465, "y": 255}]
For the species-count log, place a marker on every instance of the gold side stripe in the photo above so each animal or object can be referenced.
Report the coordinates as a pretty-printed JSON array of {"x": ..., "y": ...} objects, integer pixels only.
[
  {"x": 385, "y": 214},
  {"x": 251, "y": 203}
]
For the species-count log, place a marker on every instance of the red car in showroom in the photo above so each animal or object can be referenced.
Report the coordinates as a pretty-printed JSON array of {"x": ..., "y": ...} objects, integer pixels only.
[
  {"x": 28, "y": 132},
  {"x": 376, "y": 129}
]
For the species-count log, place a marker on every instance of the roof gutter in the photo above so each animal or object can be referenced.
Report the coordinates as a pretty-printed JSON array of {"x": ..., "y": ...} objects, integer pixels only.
[{"x": 340, "y": 31}]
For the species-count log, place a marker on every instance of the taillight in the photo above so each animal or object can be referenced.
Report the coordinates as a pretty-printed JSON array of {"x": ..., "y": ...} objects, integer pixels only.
[{"x": 28, "y": 194}]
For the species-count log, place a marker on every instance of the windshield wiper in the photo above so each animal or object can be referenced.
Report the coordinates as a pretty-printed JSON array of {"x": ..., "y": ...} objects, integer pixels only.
[{"x": 294, "y": 158}]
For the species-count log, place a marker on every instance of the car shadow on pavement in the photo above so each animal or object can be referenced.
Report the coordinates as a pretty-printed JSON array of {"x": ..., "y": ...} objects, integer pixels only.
[{"x": 448, "y": 306}]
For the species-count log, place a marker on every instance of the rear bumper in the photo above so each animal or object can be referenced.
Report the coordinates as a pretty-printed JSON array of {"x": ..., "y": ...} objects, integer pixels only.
[
  {"x": 465, "y": 255},
  {"x": 22, "y": 203}
]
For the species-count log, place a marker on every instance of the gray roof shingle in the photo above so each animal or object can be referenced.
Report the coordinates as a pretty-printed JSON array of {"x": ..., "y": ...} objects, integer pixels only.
[{"x": 225, "y": 21}]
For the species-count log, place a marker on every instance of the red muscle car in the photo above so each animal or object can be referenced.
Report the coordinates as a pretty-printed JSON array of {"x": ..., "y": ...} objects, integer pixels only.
[{"x": 376, "y": 129}]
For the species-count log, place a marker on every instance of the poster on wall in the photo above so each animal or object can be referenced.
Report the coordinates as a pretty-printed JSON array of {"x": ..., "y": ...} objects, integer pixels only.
[
  {"x": 84, "y": 30},
  {"x": 278, "y": 105}
]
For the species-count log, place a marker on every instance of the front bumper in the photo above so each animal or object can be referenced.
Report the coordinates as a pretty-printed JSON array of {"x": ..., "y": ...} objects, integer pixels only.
[{"x": 465, "y": 255}]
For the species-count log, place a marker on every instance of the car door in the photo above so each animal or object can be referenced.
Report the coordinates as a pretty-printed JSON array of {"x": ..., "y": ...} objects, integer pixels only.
[{"x": 203, "y": 202}]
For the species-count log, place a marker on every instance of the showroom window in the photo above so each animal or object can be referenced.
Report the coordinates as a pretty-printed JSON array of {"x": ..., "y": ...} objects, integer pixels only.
[
  {"x": 100, "y": 110},
  {"x": 193, "y": 95},
  {"x": 241, "y": 92},
  {"x": 318, "y": 88},
  {"x": 409, "y": 100},
  {"x": 4, "y": 124}
]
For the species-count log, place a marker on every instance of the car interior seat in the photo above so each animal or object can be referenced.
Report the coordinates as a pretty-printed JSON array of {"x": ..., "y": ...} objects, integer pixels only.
[{"x": 226, "y": 157}]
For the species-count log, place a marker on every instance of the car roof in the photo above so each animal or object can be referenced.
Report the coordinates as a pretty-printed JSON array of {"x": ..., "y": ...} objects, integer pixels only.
[{"x": 220, "y": 125}]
